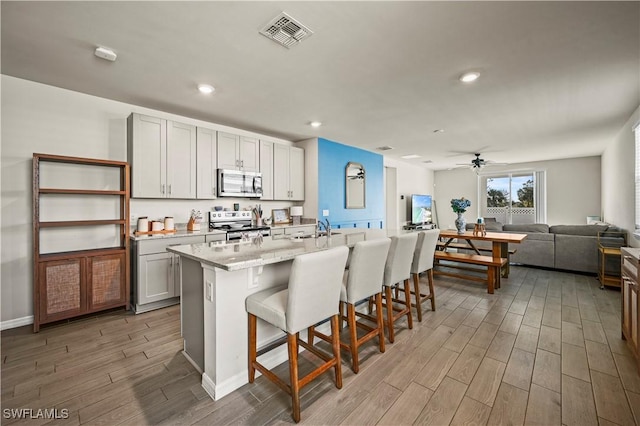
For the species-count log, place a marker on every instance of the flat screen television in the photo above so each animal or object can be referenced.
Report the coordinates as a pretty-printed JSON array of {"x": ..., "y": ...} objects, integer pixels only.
[{"x": 420, "y": 209}]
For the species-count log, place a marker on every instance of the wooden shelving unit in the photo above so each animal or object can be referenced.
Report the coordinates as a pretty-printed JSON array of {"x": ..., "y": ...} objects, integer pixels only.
[{"x": 72, "y": 283}]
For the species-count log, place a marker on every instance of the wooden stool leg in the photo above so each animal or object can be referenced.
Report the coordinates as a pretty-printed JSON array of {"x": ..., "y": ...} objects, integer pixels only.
[
  {"x": 335, "y": 338},
  {"x": 389, "y": 303},
  {"x": 353, "y": 337},
  {"x": 416, "y": 290},
  {"x": 380, "y": 321},
  {"x": 431, "y": 290},
  {"x": 407, "y": 299},
  {"x": 292, "y": 345},
  {"x": 310, "y": 334},
  {"x": 252, "y": 347},
  {"x": 341, "y": 310}
]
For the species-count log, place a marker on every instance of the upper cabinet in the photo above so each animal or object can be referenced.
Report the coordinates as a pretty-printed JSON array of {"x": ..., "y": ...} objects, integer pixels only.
[
  {"x": 162, "y": 154},
  {"x": 288, "y": 173},
  {"x": 206, "y": 163},
  {"x": 238, "y": 152},
  {"x": 266, "y": 169}
]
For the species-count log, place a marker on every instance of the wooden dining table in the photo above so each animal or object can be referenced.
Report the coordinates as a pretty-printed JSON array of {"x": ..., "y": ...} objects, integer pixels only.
[{"x": 499, "y": 242}]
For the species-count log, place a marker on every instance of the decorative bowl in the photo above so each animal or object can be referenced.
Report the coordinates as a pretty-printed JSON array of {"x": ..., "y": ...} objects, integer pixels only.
[{"x": 217, "y": 208}]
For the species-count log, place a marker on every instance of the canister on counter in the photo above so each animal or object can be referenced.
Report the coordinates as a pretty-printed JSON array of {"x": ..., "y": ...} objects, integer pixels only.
[
  {"x": 143, "y": 224},
  {"x": 169, "y": 224}
]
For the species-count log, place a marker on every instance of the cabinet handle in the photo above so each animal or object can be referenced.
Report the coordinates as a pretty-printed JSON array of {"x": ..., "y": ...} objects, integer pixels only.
[
  {"x": 242, "y": 163},
  {"x": 213, "y": 190},
  {"x": 162, "y": 190},
  {"x": 169, "y": 189}
]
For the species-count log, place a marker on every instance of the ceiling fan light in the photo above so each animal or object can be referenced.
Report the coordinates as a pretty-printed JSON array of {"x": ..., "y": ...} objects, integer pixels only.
[{"x": 469, "y": 77}]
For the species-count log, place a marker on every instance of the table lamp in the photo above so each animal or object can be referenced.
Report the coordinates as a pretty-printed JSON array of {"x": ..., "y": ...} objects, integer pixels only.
[{"x": 295, "y": 213}]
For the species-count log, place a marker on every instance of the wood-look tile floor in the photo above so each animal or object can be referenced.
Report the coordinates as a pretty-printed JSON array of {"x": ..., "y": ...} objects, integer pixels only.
[{"x": 544, "y": 349}]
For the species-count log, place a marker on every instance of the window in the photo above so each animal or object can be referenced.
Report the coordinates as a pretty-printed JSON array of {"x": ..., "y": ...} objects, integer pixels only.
[
  {"x": 637, "y": 133},
  {"x": 513, "y": 197}
]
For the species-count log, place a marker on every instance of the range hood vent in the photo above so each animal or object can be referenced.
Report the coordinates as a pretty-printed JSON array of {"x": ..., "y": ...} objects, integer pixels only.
[{"x": 285, "y": 30}]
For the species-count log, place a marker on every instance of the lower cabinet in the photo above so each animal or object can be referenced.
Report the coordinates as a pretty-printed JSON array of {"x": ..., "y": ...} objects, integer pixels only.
[
  {"x": 156, "y": 272},
  {"x": 81, "y": 284},
  {"x": 631, "y": 301}
]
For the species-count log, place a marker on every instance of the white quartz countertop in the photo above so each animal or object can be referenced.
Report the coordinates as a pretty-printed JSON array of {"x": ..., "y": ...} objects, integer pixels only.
[
  {"x": 233, "y": 256},
  {"x": 179, "y": 233}
]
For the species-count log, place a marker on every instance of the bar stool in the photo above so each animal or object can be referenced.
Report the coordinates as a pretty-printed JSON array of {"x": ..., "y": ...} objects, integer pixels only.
[
  {"x": 362, "y": 281},
  {"x": 398, "y": 269},
  {"x": 312, "y": 296},
  {"x": 423, "y": 262}
]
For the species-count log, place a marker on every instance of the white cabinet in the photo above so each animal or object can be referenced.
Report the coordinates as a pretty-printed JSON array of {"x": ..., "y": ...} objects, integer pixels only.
[
  {"x": 288, "y": 173},
  {"x": 156, "y": 273},
  {"x": 206, "y": 163},
  {"x": 162, "y": 154},
  {"x": 266, "y": 169},
  {"x": 238, "y": 152}
]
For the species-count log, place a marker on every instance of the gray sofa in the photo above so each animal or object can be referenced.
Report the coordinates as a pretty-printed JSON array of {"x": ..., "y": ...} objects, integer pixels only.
[{"x": 568, "y": 247}]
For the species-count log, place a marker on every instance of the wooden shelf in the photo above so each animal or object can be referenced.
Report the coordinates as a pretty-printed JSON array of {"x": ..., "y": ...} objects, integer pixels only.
[
  {"x": 81, "y": 191},
  {"x": 69, "y": 223},
  {"x": 67, "y": 284}
]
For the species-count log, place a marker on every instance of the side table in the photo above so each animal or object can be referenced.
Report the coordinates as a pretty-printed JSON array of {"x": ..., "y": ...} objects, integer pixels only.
[{"x": 609, "y": 280}]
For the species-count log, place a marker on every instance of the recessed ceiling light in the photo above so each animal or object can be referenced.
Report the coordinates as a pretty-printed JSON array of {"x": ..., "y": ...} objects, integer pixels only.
[
  {"x": 315, "y": 124},
  {"x": 105, "y": 53},
  {"x": 206, "y": 88},
  {"x": 469, "y": 77},
  {"x": 438, "y": 131},
  {"x": 410, "y": 156}
]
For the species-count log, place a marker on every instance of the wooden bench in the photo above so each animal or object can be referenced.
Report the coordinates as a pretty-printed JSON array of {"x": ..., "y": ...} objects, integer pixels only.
[
  {"x": 493, "y": 267},
  {"x": 463, "y": 246}
]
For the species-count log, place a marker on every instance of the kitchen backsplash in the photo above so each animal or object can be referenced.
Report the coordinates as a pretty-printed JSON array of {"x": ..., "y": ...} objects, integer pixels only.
[{"x": 180, "y": 210}]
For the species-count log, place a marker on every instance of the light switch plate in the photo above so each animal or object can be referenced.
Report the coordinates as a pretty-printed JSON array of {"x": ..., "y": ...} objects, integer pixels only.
[{"x": 325, "y": 213}]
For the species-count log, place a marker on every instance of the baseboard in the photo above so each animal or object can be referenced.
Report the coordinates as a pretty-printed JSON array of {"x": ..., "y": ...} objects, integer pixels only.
[{"x": 18, "y": 322}]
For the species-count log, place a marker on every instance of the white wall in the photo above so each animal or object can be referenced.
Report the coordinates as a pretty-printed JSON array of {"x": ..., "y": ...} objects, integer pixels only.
[
  {"x": 573, "y": 189},
  {"x": 411, "y": 179},
  {"x": 618, "y": 188},
  {"x": 46, "y": 119}
]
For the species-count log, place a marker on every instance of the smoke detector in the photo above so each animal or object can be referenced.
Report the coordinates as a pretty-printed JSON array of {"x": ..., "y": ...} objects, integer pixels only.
[
  {"x": 285, "y": 30},
  {"x": 106, "y": 53}
]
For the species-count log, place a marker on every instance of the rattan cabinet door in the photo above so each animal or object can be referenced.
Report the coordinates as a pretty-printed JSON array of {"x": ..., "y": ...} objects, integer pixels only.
[
  {"x": 61, "y": 289},
  {"x": 106, "y": 281}
]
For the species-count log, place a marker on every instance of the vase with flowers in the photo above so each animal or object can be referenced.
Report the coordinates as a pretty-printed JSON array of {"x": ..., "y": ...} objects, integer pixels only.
[{"x": 459, "y": 206}]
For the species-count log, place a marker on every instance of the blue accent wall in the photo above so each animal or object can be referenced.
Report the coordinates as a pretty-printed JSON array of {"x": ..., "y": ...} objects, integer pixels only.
[{"x": 332, "y": 162}]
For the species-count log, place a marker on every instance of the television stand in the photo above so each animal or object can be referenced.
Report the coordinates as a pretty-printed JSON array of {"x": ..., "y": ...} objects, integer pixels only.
[{"x": 419, "y": 227}]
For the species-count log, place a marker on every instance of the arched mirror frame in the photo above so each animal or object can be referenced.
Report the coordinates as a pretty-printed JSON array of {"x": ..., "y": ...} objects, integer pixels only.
[{"x": 355, "y": 186}]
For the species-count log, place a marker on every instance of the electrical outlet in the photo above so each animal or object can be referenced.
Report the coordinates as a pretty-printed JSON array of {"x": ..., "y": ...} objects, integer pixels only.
[{"x": 325, "y": 213}]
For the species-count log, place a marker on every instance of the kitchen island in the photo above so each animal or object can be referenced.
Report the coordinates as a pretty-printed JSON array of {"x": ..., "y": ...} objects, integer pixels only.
[{"x": 216, "y": 278}]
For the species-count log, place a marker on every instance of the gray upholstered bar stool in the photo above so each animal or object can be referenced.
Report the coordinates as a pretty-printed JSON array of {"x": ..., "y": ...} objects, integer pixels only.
[
  {"x": 423, "y": 262},
  {"x": 312, "y": 296},
  {"x": 362, "y": 280},
  {"x": 397, "y": 269}
]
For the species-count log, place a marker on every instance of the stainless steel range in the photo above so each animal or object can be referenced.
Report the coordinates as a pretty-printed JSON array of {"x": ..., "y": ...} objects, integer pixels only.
[{"x": 236, "y": 224}]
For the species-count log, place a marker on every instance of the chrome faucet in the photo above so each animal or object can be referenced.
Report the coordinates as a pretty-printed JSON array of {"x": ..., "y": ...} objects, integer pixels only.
[{"x": 327, "y": 227}]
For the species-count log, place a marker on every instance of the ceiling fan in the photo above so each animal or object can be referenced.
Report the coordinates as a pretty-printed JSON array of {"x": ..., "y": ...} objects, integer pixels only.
[{"x": 477, "y": 163}]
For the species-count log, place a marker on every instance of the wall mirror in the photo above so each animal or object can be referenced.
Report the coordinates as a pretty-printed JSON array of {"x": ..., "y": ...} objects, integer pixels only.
[{"x": 355, "y": 181}]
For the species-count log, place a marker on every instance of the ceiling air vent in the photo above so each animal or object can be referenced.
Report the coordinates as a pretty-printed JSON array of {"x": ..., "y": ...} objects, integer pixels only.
[
  {"x": 285, "y": 30},
  {"x": 385, "y": 148}
]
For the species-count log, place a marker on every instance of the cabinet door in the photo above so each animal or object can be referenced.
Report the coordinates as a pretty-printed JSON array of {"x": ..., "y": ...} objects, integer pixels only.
[
  {"x": 155, "y": 277},
  {"x": 249, "y": 154},
  {"x": 148, "y": 149},
  {"x": 266, "y": 168},
  {"x": 181, "y": 160},
  {"x": 296, "y": 173},
  {"x": 280, "y": 172},
  {"x": 61, "y": 289},
  {"x": 106, "y": 281},
  {"x": 206, "y": 163},
  {"x": 228, "y": 146}
]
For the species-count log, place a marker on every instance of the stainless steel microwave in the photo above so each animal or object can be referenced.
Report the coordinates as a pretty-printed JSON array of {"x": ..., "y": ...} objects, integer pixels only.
[{"x": 236, "y": 183}]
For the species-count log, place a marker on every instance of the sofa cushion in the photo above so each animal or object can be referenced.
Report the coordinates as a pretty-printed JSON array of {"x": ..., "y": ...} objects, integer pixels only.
[
  {"x": 527, "y": 228},
  {"x": 586, "y": 230}
]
